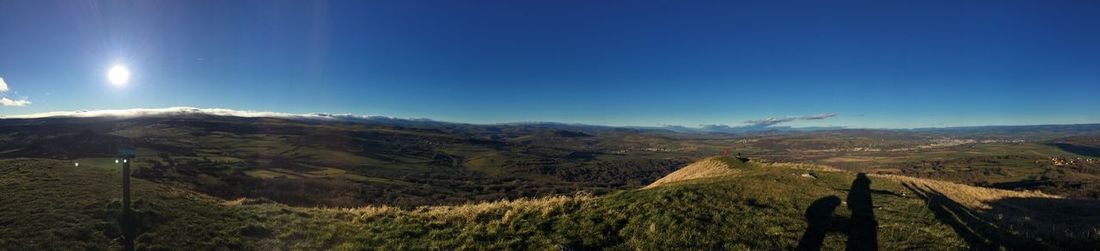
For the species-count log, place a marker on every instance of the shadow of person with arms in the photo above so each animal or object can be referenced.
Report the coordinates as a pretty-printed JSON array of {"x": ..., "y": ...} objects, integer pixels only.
[
  {"x": 862, "y": 228},
  {"x": 820, "y": 217}
]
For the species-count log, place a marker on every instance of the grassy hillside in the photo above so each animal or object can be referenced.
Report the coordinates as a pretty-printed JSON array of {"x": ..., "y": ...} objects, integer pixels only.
[{"x": 47, "y": 203}]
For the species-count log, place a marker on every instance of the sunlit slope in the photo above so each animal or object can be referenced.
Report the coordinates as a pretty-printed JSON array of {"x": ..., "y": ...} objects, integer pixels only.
[
  {"x": 756, "y": 206},
  {"x": 709, "y": 167}
]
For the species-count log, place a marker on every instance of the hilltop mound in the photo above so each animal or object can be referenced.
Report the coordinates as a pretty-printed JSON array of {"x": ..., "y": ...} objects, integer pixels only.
[
  {"x": 713, "y": 167},
  {"x": 706, "y": 168}
]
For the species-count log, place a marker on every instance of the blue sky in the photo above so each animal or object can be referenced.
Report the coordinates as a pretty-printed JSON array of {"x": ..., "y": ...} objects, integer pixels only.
[{"x": 874, "y": 64}]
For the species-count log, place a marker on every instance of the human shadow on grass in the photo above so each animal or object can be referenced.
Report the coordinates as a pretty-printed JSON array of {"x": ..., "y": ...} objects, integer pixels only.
[
  {"x": 1019, "y": 223},
  {"x": 863, "y": 231},
  {"x": 820, "y": 217},
  {"x": 967, "y": 223},
  {"x": 862, "y": 228}
]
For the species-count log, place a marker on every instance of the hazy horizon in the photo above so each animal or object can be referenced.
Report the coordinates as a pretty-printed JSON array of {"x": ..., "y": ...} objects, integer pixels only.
[{"x": 749, "y": 125}]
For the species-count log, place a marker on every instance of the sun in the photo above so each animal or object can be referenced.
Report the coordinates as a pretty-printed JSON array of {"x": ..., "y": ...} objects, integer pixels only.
[{"x": 118, "y": 75}]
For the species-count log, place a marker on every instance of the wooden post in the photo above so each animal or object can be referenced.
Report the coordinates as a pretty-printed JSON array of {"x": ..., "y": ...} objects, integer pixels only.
[
  {"x": 126, "y": 185},
  {"x": 126, "y": 220}
]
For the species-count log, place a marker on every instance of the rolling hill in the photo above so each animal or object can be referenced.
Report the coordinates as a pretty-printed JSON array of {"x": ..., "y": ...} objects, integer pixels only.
[
  {"x": 346, "y": 163},
  {"x": 349, "y": 161}
]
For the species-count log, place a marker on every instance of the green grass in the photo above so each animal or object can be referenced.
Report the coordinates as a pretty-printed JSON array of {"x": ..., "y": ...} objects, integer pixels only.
[{"x": 51, "y": 204}]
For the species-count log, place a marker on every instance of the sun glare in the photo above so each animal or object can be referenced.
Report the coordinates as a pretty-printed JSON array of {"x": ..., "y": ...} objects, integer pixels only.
[{"x": 118, "y": 75}]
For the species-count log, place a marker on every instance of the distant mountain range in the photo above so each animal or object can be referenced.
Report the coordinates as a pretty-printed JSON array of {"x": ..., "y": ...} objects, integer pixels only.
[{"x": 399, "y": 121}]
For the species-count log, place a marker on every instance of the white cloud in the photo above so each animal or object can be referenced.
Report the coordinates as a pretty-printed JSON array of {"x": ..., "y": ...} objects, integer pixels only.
[
  {"x": 775, "y": 121},
  {"x": 5, "y": 101},
  {"x": 10, "y": 102}
]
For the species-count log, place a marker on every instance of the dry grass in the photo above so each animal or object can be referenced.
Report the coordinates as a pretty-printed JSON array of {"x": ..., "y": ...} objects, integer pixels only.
[
  {"x": 803, "y": 166},
  {"x": 706, "y": 168},
  {"x": 973, "y": 197},
  {"x": 474, "y": 212},
  {"x": 1025, "y": 220}
]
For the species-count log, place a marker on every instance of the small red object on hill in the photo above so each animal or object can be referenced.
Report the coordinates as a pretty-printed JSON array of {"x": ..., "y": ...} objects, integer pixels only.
[{"x": 725, "y": 151}]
